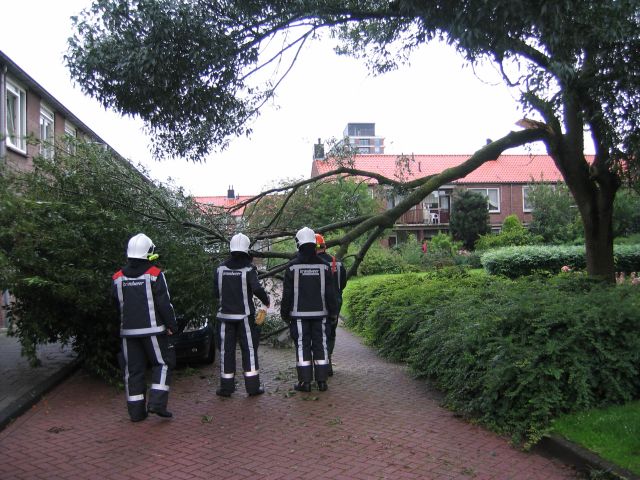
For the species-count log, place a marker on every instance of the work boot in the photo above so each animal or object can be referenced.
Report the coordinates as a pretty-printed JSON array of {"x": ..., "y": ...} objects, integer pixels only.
[
  {"x": 139, "y": 419},
  {"x": 221, "y": 392},
  {"x": 322, "y": 386},
  {"x": 259, "y": 391},
  {"x": 302, "y": 387},
  {"x": 161, "y": 412}
]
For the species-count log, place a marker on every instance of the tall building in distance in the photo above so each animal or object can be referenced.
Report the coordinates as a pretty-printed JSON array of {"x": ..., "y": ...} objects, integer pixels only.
[{"x": 362, "y": 136}]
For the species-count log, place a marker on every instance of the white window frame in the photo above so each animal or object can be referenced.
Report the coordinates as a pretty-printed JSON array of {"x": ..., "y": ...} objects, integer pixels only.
[
  {"x": 70, "y": 131},
  {"x": 47, "y": 131},
  {"x": 485, "y": 192},
  {"x": 525, "y": 195},
  {"x": 17, "y": 141}
]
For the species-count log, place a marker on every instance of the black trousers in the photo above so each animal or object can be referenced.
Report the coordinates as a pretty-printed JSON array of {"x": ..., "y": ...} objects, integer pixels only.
[
  {"x": 231, "y": 332},
  {"x": 137, "y": 353},
  {"x": 312, "y": 350}
]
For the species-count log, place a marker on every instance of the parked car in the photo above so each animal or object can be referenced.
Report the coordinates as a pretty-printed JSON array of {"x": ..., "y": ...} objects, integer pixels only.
[{"x": 195, "y": 341}]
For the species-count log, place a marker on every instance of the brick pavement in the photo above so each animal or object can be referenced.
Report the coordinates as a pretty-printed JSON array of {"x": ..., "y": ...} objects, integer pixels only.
[{"x": 375, "y": 422}]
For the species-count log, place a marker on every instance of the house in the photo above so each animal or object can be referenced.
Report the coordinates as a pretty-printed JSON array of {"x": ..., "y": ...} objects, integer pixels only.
[
  {"x": 27, "y": 110},
  {"x": 226, "y": 203},
  {"x": 504, "y": 182}
]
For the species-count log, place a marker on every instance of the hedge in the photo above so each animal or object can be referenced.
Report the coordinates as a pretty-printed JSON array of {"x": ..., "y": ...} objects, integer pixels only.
[
  {"x": 512, "y": 354},
  {"x": 515, "y": 262}
]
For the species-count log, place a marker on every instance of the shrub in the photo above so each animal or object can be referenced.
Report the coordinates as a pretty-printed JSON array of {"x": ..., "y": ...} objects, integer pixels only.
[
  {"x": 513, "y": 234},
  {"x": 514, "y": 262},
  {"x": 381, "y": 260},
  {"x": 512, "y": 354}
]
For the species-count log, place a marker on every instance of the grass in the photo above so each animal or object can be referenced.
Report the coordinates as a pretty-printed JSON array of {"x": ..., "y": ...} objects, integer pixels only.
[{"x": 613, "y": 433}]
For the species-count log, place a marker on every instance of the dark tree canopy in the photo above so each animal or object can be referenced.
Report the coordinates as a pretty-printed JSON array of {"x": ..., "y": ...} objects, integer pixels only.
[{"x": 196, "y": 71}]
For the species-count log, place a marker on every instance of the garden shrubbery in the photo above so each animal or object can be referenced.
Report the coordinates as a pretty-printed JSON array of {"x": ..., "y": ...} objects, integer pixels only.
[
  {"x": 515, "y": 262},
  {"x": 511, "y": 353}
]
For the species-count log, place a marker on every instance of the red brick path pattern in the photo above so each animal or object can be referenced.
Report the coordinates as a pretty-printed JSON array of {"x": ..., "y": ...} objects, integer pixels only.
[{"x": 374, "y": 422}]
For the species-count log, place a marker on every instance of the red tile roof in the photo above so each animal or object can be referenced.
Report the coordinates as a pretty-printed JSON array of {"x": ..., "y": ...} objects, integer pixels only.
[
  {"x": 506, "y": 169},
  {"x": 223, "y": 201}
]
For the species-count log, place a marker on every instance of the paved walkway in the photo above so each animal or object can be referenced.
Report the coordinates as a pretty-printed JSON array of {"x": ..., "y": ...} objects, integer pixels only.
[
  {"x": 20, "y": 383},
  {"x": 375, "y": 422}
]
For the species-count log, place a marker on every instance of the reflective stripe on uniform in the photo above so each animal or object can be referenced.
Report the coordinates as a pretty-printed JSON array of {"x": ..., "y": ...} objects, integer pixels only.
[
  {"x": 245, "y": 293},
  {"x": 252, "y": 356},
  {"x": 321, "y": 362},
  {"x": 227, "y": 375},
  {"x": 251, "y": 373},
  {"x": 303, "y": 363},
  {"x": 160, "y": 360},
  {"x": 142, "y": 331},
  {"x": 135, "y": 398},
  {"x": 296, "y": 290},
  {"x": 300, "y": 351},
  {"x": 157, "y": 386}
]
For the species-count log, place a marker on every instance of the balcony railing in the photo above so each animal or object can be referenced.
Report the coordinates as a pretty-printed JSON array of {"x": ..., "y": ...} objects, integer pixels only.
[{"x": 424, "y": 216}]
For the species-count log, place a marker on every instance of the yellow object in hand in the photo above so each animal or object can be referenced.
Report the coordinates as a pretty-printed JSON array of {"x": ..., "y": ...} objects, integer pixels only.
[{"x": 261, "y": 315}]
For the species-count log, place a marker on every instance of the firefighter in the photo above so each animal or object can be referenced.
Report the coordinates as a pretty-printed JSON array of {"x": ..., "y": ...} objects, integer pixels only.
[
  {"x": 339, "y": 283},
  {"x": 146, "y": 320},
  {"x": 234, "y": 285},
  {"x": 309, "y": 304}
]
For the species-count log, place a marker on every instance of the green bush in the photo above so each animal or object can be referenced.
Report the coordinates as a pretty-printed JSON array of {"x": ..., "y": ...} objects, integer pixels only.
[
  {"x": 511, "y": 354},
  {"x": 514, "y": 262},
  {"x": 382, "y": 260},
  {"x": 513, "y": 234}
]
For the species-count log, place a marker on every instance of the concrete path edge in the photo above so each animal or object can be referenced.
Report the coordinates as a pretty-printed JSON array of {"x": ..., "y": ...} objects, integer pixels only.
[
  {"x": 583, "y": 460},
  {"x": 33, "y": 396}
]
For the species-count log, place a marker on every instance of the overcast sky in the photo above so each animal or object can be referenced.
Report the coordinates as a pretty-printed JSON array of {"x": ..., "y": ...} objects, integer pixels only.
[{"x": 433, "y": 106}]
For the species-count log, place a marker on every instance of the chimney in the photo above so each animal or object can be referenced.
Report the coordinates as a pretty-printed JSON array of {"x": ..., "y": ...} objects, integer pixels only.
[
  {"x": 230, "y": 193},
  {"x": 318, "y": 151}
]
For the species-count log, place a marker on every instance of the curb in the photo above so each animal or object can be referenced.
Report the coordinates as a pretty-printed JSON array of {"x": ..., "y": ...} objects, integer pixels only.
[
  {"x": 584, "y": 461},
  {"x": 26, "y": 401}
]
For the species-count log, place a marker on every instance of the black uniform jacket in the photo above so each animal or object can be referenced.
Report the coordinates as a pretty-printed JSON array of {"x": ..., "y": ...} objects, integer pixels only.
[
  {"x": 234, "y": 284},
  {"x": 339, "y": 274},
  {"x": 143, "y": 301},
  {"x": 308, "y": 289}
]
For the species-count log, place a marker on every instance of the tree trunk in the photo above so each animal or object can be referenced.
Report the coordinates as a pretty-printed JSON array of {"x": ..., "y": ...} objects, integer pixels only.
[{"x": 598, "y": 237}]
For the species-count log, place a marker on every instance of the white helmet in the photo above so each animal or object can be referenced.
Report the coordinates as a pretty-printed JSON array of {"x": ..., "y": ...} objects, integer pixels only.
[
  {"x": 239, "y": 243},
  {"x": 140, "y": 246},
  {"x": 305, "y": 235}
]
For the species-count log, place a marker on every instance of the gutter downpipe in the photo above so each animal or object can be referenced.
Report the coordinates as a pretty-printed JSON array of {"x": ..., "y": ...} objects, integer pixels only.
[{"x": 3, "y": 114}]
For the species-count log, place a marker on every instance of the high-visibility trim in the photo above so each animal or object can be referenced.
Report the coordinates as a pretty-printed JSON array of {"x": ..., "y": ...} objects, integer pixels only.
[
  {"x": 296, "y": 290},
  {"x": 150, "y": 302},
  {"x": 118, "y": 274},
  {"x": 227, "y": 375},
  {"x": 312, "y": 314},
  {"x": 303, "y": 363},
  {"x": 299, "y": 351},
  {"x": 135, "y": 398},
  {"x": 162, "y": 384},
  {"x": 154, "y": 271},
  {"x": 231, "y": 316},
  {"x": 222, "y": 350},
  {"x": 118, "y": 281},
  {"x": 158, "y": 386},
  {"x": 321, "y": 362},
  {"x": 125, "y": 354},
  {"x": 252, "y": 356},
  {"x": 245, "y": 293},
  {"x": 142, "y": 331},
  {"x": 325, "y": 345},
  {"x": 251, "y": 373}
]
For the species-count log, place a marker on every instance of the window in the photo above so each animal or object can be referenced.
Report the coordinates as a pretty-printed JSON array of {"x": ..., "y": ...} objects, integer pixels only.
[
  {"x": 526, "y": 203},
  {"x": 16, "y": 117},
  {"x": 46, "y": 132},
  {"x": 431, "y": 202},
  {"x": 70, "y": 132},
  {"x": 493, "y": 198}
]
